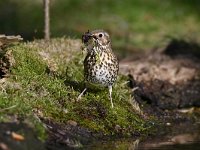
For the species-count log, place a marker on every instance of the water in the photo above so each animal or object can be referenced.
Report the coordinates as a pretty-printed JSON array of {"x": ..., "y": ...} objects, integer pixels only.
[
  {"x": 189, "y": 146},
  {"x": 179, "y": 137},
  {"x": 136, "y": 145}
]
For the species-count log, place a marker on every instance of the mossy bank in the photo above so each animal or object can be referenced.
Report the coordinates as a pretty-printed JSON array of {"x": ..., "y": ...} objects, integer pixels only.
[{"x": 44, "y": 81}]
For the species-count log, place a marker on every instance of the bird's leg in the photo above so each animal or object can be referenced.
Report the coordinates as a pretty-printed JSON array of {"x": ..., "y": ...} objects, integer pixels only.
[
  {"x": 110, "y": 94},
  {"x": 80, "y": 95}
]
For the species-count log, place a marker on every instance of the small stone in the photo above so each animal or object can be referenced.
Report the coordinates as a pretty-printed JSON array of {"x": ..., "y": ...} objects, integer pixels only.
[
  {"x": 168, "y": 124},
  {"x": 72, "y": 123},
  {"x": 117, "y": 127}
]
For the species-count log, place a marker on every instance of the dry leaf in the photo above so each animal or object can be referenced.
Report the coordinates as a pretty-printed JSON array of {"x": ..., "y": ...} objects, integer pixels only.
[{"x": 17, "y": 137}]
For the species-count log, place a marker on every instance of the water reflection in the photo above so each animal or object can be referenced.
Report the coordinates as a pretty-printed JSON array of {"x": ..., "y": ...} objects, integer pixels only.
[
  {"x": 176, "y": 142},
  {"x": 116, "y": 145},
  {"x": 137, "y": 145}
]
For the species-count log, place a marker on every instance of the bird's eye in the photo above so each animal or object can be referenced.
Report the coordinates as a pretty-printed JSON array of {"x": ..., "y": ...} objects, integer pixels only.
[{"x": 100, "y": 35}]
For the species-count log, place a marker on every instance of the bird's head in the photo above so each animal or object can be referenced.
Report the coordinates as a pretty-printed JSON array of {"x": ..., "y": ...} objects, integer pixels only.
[{"x": 97, "y": 39}]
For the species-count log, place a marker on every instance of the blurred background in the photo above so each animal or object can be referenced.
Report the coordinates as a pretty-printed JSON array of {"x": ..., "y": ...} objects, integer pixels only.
[{"x": 133, "y": 24}]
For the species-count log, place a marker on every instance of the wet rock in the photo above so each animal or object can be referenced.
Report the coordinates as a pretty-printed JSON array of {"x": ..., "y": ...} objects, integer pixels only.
[
  {"x": 183, "y": 138},
  {"x": 66, "y": 136}
]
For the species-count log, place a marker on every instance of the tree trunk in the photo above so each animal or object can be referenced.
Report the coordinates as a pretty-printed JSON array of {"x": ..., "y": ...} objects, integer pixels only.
[{"x": 46, "y": 20}]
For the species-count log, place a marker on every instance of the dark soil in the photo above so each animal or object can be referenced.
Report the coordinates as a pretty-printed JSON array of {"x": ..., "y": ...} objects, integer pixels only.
[{"x": 165, "y": 78}]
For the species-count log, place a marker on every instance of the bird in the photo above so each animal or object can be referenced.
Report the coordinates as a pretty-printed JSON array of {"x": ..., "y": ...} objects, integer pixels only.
[{"x": 101, "y": 65}]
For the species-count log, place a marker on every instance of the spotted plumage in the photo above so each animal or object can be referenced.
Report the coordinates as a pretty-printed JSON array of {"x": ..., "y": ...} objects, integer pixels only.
[{"x": 100, "y": 65}]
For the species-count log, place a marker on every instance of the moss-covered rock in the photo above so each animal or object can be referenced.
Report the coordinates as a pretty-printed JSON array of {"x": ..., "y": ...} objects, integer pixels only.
[{"x": 49, "y": 79}]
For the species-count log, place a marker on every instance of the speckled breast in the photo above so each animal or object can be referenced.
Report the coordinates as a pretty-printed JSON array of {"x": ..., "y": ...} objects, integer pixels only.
[{"x": 101, "y": 68}]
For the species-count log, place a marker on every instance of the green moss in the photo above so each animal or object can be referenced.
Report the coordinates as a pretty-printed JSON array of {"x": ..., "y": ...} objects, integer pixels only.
[{"x": 54, "y": 96}]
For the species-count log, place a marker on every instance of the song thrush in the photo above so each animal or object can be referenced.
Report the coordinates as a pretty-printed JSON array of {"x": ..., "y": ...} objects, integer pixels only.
[{"x": 100, "y": 65}]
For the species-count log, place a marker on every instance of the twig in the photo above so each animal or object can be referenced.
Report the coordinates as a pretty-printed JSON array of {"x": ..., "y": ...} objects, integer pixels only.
[
  {"x": 8, "y": 108},
  {"x": 46, "y": 20}
]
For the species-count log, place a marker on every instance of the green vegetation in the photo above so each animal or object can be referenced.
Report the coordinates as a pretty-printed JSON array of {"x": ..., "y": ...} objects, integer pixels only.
[
  {"x": 136, "y": 23},
  {"x": 133, "y": 24},
  {"x": 45, "y": 81}
]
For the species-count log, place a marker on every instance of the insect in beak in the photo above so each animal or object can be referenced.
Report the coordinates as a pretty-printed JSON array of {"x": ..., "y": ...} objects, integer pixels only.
[{"x": 86, "y": 36}]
